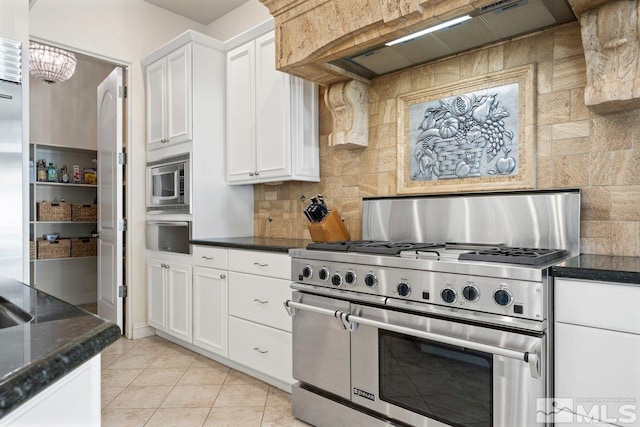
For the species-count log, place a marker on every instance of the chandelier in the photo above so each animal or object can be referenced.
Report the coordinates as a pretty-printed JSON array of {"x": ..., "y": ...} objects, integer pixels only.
[{"x": 50, "y": 64}]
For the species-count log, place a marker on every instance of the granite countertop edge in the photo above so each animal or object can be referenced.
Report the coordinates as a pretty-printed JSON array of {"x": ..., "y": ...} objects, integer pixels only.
[
  {"x": 602, "y": 268},
  {"x": 254, "y": 243},
  {"x": 35, "y": 377}
]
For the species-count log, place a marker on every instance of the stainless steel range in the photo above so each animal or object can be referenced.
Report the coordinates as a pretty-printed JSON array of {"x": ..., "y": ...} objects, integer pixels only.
[{"x": 452, "y": 330}]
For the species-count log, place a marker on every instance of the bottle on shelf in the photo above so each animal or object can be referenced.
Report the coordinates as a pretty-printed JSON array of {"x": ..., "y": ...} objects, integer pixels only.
[
  {"x": 52, "y": 173},
  {"x": 64, "y": 175},
  {"x": 42, "y": 170}
]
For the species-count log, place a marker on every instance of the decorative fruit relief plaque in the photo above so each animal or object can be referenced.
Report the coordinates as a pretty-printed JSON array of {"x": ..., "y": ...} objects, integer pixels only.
[{"x": 472, "y": 135}]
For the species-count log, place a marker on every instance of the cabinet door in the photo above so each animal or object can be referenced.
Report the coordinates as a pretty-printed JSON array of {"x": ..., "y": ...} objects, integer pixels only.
[
  {"x": 273, "y": 115},
  {"x": 241, "y": 164},
  {"x": 210, "y": 289},
  {"x": 595, "y": 367},
  {"x": 156, "y": 289},
  {"x": 179, "y": 300},
  {"x": 156, "y": 103},
  {"x": 179, "y": 88}
]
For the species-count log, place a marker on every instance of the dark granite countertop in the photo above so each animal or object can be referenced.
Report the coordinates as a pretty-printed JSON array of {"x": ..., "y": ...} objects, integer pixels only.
[
  {"x": 602, "y": 268},
  {"x": 273, "y": 244},
  {"x": 35, "y": 354}
]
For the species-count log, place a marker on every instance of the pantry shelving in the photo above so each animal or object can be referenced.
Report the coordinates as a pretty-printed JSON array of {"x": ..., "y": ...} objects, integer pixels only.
[{"x": 59, "y": 272}]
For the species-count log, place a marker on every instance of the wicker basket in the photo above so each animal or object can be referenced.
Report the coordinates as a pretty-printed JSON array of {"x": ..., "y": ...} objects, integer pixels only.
[
  {"x": 32, "y": 249},
  {"x": 59, "y": 211},
  {"x": 87, "y": 212},
  {"x": 84, "y": 246},
  {"x": 60, "y": 248}
]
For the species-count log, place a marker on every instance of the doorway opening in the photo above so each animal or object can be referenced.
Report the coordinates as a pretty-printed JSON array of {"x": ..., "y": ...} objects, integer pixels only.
[{"x": 81, "y": 195}]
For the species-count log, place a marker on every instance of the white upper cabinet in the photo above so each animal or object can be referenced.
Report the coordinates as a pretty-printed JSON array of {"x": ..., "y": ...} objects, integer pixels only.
[
  {"x": 169, "y": 90},
  {"x": 272, "y": 118}
]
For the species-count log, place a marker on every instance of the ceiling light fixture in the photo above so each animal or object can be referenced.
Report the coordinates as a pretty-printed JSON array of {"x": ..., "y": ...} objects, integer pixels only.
[
  {"x": 50, "y": 64},
  {"x": 440, "y": 26}
]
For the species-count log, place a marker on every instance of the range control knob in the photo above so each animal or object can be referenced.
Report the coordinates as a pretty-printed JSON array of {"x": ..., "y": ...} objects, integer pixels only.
[
  {"x": 307, "y": 272},
  {"x": 370, "y": 280},
  {"x": 350, "y": 277},
  {"x": 502, "y": 297},
  {"x": 404, "y": 290},
  {"x": 336, "y": 279},
  {"x": 470, "y": 293},
  {"x": 323, "y": 274},
  {"x": 449, "y": 295}
]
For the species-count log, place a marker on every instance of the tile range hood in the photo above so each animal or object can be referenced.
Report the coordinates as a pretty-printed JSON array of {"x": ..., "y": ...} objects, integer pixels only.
[{"x": 495, "y": 22}]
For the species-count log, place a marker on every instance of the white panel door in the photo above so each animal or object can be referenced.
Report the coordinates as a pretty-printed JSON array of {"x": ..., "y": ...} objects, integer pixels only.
[
  {"x": 110, "y": 206},
  {"x": 156, "y": 294},
  {"x": 599, "y": 369},
  {"x": 241, "y": 164},
  {"x": 210, "y": 309},
  {"x": 273, "y": 117},
  {"x": 156, "y": 102},
  {"x": 179, "y": 300},
  {"x": 179, "y": 87}
]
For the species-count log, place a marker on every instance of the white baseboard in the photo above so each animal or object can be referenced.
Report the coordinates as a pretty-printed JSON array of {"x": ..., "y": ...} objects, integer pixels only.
[{"x": 142, "y": 330}]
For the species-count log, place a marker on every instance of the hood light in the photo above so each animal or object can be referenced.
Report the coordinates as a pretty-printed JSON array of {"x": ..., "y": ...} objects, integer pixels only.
[{"x": 428, "y": 30}]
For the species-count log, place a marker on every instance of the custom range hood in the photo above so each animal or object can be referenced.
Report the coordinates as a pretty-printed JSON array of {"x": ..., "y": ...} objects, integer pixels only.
[{"x": 488, "y": 24}]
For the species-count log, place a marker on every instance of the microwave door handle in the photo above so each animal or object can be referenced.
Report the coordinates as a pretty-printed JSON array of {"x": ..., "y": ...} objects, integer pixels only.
[
  {"x": 170, "y": 224},
  {"x": 531, "y": 358}
]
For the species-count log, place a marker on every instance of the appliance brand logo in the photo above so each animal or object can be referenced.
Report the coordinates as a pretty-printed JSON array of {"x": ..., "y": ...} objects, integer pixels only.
[
  {"x": 586, "y": 410},
  {"x": 364, "y": 394}
]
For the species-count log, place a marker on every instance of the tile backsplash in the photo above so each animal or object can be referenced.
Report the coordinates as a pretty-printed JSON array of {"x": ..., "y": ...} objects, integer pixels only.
[{"x": 575, "y": 148}]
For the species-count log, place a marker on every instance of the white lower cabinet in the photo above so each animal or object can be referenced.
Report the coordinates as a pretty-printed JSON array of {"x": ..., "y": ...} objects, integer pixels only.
[
  {"x": 259, "y": 347},
  {"x": 227, "y": 303},
  {"x": 596, "y": 353},
  {"x": 259, "y": 326},
  {"x": 169, "y": 297},
  {"x": 210, "y": 314}
]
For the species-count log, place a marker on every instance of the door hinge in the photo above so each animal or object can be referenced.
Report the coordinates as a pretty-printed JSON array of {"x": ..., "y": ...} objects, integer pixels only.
[
  {"x": 122, "y": 91},
  {"x": 122, "y": 291},
  {"x": 122, "y": 225},
  {"x": 122, "y": 159}
]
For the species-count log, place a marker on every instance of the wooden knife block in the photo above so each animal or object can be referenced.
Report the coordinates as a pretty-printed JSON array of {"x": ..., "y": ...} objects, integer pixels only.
[{"x": 331, "y": 229}]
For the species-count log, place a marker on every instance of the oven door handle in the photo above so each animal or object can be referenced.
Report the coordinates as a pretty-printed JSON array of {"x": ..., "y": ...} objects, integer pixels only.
[
  {"x": 531, "y": 358},
  {"x": 292, "y": 306}
]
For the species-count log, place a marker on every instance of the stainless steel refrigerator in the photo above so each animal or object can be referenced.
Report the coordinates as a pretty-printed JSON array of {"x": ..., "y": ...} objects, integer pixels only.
[{"x": 11, "y": 161}]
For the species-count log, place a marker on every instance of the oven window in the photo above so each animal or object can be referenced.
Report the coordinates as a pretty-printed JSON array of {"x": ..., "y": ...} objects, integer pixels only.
[{"x": 450, "y": 384}]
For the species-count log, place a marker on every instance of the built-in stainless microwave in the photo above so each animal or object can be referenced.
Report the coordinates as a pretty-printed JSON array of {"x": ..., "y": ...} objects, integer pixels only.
[{"x": 168, "y": 185}]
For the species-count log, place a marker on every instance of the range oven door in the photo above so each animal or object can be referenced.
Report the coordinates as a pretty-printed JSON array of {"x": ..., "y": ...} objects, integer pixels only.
[
  {"x": 321, "y": 348},
  {"x": 460, "y": 375}
]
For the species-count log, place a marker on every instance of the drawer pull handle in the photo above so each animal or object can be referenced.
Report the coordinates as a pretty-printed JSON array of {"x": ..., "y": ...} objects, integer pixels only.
[
  {"x": 260, "y": 301},
  {"x": 209, "y": 258},
  {"x": 260, "y": 351},
  {"x": 260, "y": 265}
]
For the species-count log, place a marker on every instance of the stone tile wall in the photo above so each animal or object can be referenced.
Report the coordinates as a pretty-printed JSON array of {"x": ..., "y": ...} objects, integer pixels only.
[{"x": 576, "y": 148}]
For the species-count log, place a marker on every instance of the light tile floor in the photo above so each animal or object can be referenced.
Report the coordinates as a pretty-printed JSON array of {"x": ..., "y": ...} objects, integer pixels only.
[{"x": 153, "y": 382}]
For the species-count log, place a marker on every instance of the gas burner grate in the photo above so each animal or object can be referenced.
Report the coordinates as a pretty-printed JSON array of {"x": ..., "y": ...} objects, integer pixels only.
[
  {"x": 526, "y": 256},
  {"x": 371, "y": 246}
]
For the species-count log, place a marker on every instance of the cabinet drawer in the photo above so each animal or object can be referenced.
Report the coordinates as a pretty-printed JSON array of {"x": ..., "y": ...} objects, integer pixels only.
[
  {"x": 259, "y": 299},
  {"x": 210, "y": 256},
  {"x": 262, "y": 263},
  {"x": 602, "y": 305},
  {"x": 258, "y": 347}
]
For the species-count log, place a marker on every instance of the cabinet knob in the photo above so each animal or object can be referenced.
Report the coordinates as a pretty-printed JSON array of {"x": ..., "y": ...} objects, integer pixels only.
[
  {"x": 257, "y": 173},
  {"x": 223, "y": 276},
  {"x": 250, "y": 173}
]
